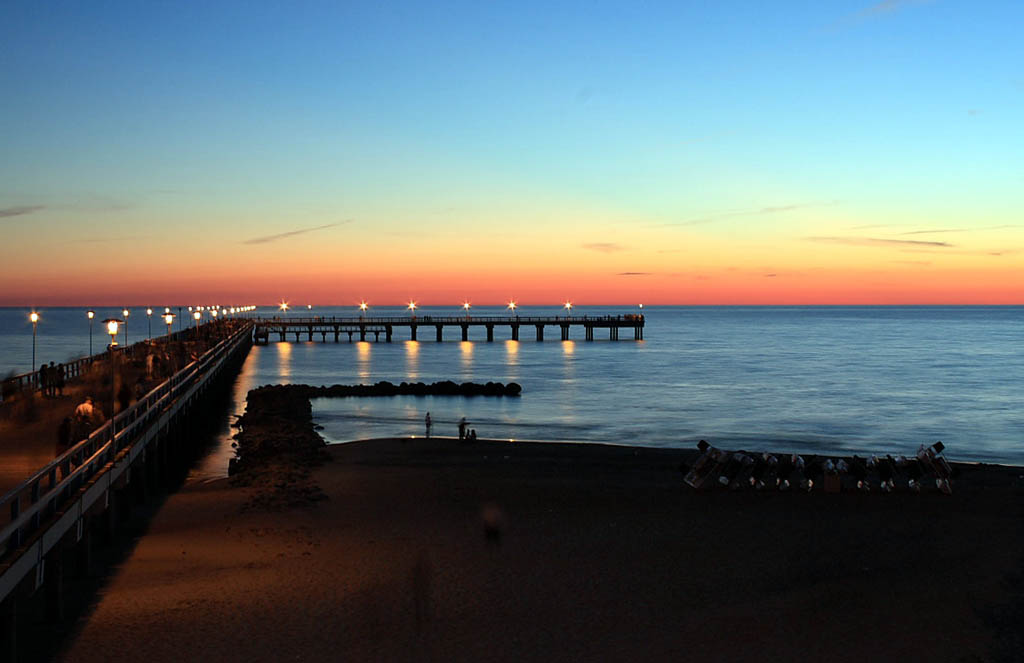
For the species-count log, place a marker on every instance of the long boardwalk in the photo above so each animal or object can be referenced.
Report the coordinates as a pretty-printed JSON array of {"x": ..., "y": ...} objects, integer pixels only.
[{"x": 336, "y": 327}]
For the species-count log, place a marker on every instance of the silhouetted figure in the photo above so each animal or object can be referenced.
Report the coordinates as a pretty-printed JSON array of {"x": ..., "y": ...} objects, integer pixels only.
[
  {"x": 63, "y": 436},
  {"x": 52, "y": 379},
  {"x": 492, "y": 519},
  {"x": 422, "y": 581},
  {"x": 44, "y": 379},
  {"x": 60, "y": 379},
  {"x": 124, "y": 396},
  {"x": 462, "y": 428},
  {"x": 428, "y": 423},
  {"x": 85, "y": 419}
]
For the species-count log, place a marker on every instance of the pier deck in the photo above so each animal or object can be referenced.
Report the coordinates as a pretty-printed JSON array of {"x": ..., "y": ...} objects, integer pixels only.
[{"x": 361, "y": 328}]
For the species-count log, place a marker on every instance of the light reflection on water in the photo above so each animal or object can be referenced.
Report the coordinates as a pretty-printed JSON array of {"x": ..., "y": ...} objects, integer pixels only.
[{"x": 801, "y": 379}]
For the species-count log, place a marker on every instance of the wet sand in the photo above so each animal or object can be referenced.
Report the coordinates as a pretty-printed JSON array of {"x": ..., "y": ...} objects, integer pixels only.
[{"x": 433, "y": 550}]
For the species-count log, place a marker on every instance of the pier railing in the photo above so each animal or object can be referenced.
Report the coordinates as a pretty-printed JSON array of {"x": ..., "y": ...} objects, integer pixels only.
[
  {"x": 53, "y": 501},
  {"x": 77, "y": 367},
  {"x": 386, "y": 325}
]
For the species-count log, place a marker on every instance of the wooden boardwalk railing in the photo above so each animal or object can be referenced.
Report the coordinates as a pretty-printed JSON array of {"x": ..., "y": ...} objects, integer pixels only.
[{"x": 52, "y": 503}]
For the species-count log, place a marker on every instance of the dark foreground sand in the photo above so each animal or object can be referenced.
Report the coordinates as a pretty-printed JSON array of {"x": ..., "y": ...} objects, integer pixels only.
[{"x": 603, "y": 554}]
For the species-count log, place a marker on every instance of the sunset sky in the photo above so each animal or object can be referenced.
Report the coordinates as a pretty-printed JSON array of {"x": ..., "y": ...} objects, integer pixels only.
[{"x": 750, "y": 152}]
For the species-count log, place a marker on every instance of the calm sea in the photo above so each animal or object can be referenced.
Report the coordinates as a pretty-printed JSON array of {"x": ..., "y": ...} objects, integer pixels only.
[{"x": 838, "y": 379}]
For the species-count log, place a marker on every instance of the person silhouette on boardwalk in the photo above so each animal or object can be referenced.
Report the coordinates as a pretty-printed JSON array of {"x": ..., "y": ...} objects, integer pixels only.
[
  {"x": 429, "y": 423},
  {"x": 60, "y": 379},
  {"x": 462, "y": 428}
]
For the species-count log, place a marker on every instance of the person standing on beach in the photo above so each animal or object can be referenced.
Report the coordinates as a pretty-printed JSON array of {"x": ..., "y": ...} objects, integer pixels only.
[
  {"x": 462, "y": 428},
  {"x": 429, "y": 423}
]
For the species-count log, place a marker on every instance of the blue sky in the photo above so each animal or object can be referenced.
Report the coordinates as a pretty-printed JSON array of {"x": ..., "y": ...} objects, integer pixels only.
[{"x": 228, "y": 118}]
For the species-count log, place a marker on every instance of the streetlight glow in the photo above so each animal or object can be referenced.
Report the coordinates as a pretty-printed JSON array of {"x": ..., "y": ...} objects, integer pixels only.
[
  {"x": 90, "y": 314},
  {"x": 112, "y": 324},
  {"x": 568, "y": 306},
  {"x": 34, "y": 317}
]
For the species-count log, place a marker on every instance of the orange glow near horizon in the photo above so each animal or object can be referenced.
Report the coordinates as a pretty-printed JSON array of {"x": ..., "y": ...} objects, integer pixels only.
[{"x": 706, "y": 271}]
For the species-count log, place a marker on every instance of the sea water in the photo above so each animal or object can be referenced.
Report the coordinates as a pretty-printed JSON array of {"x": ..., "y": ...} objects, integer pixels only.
[{"x": 803, "y": 379}]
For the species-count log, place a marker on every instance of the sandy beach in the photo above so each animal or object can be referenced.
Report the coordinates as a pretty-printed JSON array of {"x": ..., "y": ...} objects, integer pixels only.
[{"x": 435, "y": 550}]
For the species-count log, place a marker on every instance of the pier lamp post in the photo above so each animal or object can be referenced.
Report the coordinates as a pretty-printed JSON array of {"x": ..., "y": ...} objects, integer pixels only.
[
  {"x": 180, "y": 319},
  {"x": 412, "y": 310},
  {"x": 362, "y": 309},
  {"x": 90, "y": 314},
  {"x": 466, "y": 306},
  {"x": 512, "y": 307},
  {"x": 168, "y": 320},
  {"x": 197, "y": 315},
  {"x": 34, "y": 318},
  {"x": 568, "y": 308},
  {"x": 149, "y": 323},
  {"x": 126, "y": 313},
  {"x": 112, "y": 324}
]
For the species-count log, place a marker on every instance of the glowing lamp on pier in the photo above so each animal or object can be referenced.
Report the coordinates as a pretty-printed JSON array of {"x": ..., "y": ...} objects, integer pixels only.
[
  {"x": 466, "y": 306},
  {"x": 214, "y": 313},
  {"x": 568, "y": 307},
  {"x": 168, "y": 320},
  {"x": 412, "y": 309},
  {"x": 90, "y": 314},
  {"x": 283, "y": 306},
  {"x": 34, "y": 319},
  {"x": 362, "y": 309},
  {"x": 112, "y": 325},
  {"x": 125, "y": 313},
  {"x": 167, "y": 309}
]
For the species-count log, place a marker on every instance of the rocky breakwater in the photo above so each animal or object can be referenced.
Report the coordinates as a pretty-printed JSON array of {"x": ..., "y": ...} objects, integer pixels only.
[
  {"x": 276, "y": 448},
  {"x": 445, "y": 388}
]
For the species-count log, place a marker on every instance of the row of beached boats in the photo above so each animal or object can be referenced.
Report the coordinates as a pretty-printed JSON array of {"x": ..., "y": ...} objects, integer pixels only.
[{"x": 736, "y": 470}]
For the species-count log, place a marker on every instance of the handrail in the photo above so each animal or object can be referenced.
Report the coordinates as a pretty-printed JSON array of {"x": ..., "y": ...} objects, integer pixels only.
[{"x": 100, "y": 447}]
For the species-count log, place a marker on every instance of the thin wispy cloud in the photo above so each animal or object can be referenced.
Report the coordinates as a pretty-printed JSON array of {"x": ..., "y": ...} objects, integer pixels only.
[
  {"x": 771, "y": 209},
  {"x": 292, "y": 233},
  {"x": 876, "y": 10},
  {"x": 877, "y": 241},
  {"x": 603, "y": 247},
  {"x": 20, "y": 210},
  {"x": 104, "y": 240},
  {"x": 888, "y": 6},
  {"x": 635, "y": 274},
  {"x": 956, "y": 230}
]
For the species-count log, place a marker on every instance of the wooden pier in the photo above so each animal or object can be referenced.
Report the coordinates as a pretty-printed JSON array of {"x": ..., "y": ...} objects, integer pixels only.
[{"x": 324, "y": 328}]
